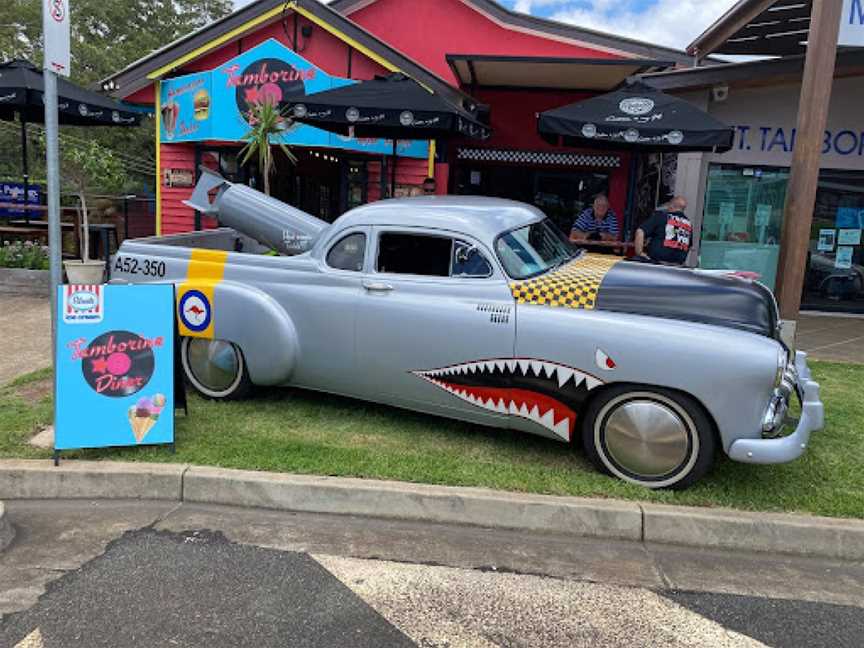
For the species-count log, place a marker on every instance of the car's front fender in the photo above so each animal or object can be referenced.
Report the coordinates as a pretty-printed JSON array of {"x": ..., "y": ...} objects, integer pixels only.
[{"x": 730, "y": 372}]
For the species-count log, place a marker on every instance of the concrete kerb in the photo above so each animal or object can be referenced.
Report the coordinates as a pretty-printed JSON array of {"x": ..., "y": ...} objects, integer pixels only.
[{"x": 791, "y": 534}]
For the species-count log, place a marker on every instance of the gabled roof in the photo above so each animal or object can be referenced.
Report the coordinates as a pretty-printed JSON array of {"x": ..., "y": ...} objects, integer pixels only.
[
  {"x": 173, "y": 56},
  {"x": 544, "y": 27}
]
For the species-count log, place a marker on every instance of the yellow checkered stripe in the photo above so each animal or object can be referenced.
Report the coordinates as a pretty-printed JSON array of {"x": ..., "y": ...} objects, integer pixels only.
[{"x": 574, "y": 285}]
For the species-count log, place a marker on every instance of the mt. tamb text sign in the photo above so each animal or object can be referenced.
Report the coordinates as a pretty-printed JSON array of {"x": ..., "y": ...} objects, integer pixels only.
[{"x": 852, "y": 24}]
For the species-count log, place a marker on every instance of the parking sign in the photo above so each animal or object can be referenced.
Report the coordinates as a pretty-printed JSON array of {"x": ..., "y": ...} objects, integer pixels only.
[{"x": 55, "y": 29}]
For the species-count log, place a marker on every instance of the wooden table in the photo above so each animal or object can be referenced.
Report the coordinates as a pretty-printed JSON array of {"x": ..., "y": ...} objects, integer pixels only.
[{"x": 622, "y": 248}]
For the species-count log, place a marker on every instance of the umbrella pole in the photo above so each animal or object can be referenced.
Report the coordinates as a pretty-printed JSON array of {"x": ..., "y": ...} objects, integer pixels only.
[
  {"x": 24, "y": 163},
  {"x": 629, "y": 216},
  {"x": 393, "y": 172}
]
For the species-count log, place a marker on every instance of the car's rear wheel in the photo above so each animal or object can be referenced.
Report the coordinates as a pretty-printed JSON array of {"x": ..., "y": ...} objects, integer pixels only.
[
  {"x": 215, "y": 368},
  {"x": 652, "y": 437}
]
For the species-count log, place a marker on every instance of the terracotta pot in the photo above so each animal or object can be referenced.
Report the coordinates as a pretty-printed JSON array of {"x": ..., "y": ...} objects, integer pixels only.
[{"x": 86, "y": 273}]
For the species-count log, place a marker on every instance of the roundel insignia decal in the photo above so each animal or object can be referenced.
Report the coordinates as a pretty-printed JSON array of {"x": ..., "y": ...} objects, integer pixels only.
[{"x": 195, "y": 311}]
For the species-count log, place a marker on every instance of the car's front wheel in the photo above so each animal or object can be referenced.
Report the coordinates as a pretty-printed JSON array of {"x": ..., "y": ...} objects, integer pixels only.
[
  {"x": 649, "y": 436},
  {"x": 215, "y": 368}
]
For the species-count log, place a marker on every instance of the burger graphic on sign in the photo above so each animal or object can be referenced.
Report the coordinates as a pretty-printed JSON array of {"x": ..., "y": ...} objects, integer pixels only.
[{"x": 201, "y": 105}]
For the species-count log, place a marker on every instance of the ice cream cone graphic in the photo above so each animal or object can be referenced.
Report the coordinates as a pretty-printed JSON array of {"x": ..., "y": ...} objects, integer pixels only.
[
  {"x": 144, "y": 414},
  {"x": 141, "y": 426}
]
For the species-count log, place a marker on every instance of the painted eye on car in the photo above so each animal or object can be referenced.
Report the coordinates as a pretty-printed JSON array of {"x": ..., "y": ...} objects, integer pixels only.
[{"x": 604, "y": 361}]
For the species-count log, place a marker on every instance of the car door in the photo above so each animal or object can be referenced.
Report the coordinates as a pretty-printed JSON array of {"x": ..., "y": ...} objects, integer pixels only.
[
  {"x": 323, "y": 307},
  {"x": 434, "y": 317}
]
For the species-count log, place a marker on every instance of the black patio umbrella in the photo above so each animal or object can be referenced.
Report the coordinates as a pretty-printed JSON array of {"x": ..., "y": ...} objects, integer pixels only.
[
  {"x": 392, "y": 107},
  {"x": 22, "y": 89},
  {"x": 636, "y": 117},
  {"x": 21, "y": 94}
]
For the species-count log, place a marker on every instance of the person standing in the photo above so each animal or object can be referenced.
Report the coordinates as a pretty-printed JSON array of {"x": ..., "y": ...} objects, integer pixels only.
[
  {"x": 668, "y": 233},
  {"x": 597, "y": 223}
]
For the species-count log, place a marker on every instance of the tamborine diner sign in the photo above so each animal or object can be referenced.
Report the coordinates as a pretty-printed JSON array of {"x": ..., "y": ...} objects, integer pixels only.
[
  {"x": 215, "y": 105},
  {"x": 115, "y": 366}
]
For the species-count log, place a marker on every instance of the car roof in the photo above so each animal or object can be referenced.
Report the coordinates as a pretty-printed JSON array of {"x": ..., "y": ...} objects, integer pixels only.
[{"x": 478, "y": 216}]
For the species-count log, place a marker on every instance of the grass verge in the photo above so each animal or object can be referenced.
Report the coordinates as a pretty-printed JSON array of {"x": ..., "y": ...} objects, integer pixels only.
[{"x": 294, "y": 431}]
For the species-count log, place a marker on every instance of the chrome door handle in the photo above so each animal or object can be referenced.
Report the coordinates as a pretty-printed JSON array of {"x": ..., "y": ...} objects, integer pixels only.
[{"x": 377, "y": 286}]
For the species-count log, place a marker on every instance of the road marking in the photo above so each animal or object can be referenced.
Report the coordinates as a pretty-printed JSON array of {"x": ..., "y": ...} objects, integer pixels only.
[
  {"x": 446, "y": 606},
  {"x": 33, "y": 640}
]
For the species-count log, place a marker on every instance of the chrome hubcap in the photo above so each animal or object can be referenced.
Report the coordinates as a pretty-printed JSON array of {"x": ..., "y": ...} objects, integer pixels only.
[
  {"x": 646, "y": 438},
  {"x": 214, "y": 363}
]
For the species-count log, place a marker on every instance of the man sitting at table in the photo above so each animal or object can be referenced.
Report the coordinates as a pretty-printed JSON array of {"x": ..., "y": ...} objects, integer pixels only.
[{"x": 597, "y": 223}]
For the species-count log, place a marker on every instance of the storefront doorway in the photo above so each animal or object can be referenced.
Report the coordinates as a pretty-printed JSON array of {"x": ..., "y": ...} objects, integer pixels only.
[
  {"x": 743, "y": 222},
  {"x": 560, "y": 194},
  {"x": 323, "y": 182}
]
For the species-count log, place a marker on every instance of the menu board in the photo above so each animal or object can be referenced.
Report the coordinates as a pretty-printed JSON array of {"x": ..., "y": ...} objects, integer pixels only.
[{"x": 115, "y": 366}]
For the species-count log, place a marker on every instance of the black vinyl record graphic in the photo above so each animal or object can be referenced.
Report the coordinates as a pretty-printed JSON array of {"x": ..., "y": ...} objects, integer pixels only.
[
  {"x": 269, "y": 80},
  {"x": 118, "y": 364}
]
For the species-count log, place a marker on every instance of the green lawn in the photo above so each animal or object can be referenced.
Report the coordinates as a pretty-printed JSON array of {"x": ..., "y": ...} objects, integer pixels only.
[{"x": 293, "y": 431}]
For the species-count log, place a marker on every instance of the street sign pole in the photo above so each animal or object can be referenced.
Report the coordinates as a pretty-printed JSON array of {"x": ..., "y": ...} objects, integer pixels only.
[
  {"x": 52, "y": 167},
  {"x": 804, "y": 175},
  {"x": 56, "y": 35}
]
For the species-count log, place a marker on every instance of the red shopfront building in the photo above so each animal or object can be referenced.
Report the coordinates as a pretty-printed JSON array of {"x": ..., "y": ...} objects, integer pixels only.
[{"x": 471, "y": 51}]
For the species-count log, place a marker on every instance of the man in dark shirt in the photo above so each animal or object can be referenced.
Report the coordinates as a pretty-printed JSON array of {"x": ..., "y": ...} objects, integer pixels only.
[{"x": 669, "y": 234}]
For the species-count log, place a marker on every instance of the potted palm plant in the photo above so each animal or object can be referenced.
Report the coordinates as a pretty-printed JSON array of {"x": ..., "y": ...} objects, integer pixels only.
[
  {"x": 85, "y": 166},
  {"x": 268, "y": 124}
]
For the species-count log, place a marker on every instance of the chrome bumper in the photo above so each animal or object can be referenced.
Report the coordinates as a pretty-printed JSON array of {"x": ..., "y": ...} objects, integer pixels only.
[{"x": 788, "y": 448}]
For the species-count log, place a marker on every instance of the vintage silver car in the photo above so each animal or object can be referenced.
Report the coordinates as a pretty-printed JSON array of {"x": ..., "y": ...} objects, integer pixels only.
[{"x": 478, "y": 309}]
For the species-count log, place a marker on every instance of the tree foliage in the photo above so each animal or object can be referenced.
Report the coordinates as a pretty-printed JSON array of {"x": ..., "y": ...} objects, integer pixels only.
[
  {"x": 107, "y": 35},
  {"x": 268, "y": 125}
]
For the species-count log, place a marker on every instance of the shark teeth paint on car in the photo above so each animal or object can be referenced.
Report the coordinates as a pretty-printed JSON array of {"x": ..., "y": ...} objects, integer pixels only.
[{"x": 546, "y": 393}]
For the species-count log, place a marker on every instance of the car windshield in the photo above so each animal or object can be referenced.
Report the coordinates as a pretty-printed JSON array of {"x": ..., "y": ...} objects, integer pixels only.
[{"x": 533, "y": 249}]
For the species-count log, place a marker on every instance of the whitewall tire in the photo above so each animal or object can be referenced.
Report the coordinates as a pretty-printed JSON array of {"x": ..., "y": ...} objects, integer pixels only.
[
  {"x": 215, "y": 368},
  {"x": 653, "y": 437}
]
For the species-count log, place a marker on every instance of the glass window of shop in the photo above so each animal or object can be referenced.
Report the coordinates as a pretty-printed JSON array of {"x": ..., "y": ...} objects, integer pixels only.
[
  {"x": 561, "y": 195},
  {"x": 743, "y": 221}
]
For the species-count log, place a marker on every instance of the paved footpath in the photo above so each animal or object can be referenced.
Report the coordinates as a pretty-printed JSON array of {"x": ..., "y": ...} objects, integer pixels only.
[
  {"x": 25, "y": 335},
  {"x": 124, "y": 573}
]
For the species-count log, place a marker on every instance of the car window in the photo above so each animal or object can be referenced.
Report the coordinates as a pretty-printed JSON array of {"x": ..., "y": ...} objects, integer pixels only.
[
  {"x": 414, "y": 254},
  {"x": 532, "y": 250},
  {"x": 348, "y": 253},
  {"x": 469, "y": 262}
]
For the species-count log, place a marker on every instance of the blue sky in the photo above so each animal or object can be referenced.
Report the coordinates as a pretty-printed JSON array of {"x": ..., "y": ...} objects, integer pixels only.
[{"x": 673, "y": 23}]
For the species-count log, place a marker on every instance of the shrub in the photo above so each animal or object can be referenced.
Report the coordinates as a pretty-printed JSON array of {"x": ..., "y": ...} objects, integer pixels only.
[{"x": 24, "y": 254}]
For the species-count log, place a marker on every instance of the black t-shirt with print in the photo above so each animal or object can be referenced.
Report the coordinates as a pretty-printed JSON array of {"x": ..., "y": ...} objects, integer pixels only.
[{"x": 670, "y": 235}]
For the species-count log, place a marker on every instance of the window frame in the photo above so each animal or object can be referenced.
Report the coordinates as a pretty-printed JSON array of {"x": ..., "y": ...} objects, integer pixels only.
[
  {"x": 380, "y": 230},
  {"x": 336, "y": 240}
]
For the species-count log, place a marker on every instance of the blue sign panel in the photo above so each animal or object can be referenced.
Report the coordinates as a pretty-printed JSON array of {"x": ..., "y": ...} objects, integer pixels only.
[
  {"x": 215, "y": 105},
  {"x": 13, "y": 192},
  {"x": 115, "y": 366}
]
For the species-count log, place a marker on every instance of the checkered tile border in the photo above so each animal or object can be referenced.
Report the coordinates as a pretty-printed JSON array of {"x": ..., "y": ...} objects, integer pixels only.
[{"x": 539, "y": 157}]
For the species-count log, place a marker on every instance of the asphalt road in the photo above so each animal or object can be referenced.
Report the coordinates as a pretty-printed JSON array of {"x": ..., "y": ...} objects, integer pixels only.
[{"x": 154, "y": 574}]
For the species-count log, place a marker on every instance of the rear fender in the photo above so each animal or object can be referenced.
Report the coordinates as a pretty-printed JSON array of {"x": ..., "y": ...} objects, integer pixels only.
[{"x": 253, "y": 320}]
